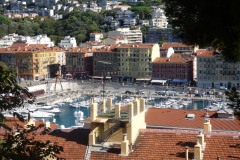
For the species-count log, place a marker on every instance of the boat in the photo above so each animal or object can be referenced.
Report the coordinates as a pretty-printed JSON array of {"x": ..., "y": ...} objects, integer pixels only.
[{"x": 55, "y": 111}]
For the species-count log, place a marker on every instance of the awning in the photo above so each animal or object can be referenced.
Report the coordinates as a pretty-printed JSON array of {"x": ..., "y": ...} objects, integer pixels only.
[
  {"x": 178, "y": 81},
  {"x": 143, "y": 79},
  {"x": 158, "y": 81},
  {"x": 100, "y": 77}
]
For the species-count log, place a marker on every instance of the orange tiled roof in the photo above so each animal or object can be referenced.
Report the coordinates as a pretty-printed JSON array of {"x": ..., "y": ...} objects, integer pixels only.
[
  {"x": 176, "y": 118},
  {"x": 226, "y": 147},
  {"x": 74, "y": 142},
  {"x": 173, "y": 59},
  {"x": 135, "y": 46},
  {"x": 170, "y": 144},
  {"x": 204, "y": 53},
  {"x": 168, "y": 45},
  {"x": 154, "y": 144}
]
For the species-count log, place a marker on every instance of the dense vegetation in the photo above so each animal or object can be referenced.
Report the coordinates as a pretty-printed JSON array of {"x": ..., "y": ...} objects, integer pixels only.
[
  {"x": 78, "y": 24},
  {"x": 212, "y": 23}
]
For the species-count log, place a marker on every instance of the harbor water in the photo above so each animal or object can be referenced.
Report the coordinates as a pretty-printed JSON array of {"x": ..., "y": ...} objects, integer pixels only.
[{"x": 67, "y": 119}]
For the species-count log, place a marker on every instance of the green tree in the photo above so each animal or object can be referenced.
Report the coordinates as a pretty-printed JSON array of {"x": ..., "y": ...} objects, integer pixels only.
[
  {"x": 20, "y": 143},
  {"x": 212, "y": 23},
  {"x": 233, "y": 98}
]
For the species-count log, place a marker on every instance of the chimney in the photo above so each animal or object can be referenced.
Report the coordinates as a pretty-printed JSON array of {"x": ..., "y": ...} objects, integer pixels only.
[
  {"x": 197, "y": 151},
  {"x": 142, "y": 104},
  {"x": 109, "y": 103},
  {"x": 47, "y": 124},
  {"x": 136, "y": 106},
  {"x": 207, "y": 127},
  {"x": 201, "y": 139},
  {"x": 93, "y": 111},
  {"x": 102, "y": 105},
  {"x": 130, "y": 111},
  {"x": 117, "y": 110},
  {"x": 186, "y": 153},
  {"x": 124, "y": 145}
]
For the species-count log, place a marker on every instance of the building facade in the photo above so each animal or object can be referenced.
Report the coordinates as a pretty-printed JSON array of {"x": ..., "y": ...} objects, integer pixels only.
[
  {"x": 135, "y": 61},
  {"x": 79, "y": 62},
  {"x": 175, "y": 70},
  {"x": 214, "y": 72}
]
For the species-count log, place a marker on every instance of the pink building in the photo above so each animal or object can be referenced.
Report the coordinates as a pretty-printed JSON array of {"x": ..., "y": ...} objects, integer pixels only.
[{"x": 175, "y": 70}]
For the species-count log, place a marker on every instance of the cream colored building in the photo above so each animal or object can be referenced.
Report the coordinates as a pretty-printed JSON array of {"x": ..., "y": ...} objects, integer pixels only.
[
  {"x": 135, "y": 61},
  {"x": 214, "y": 72},
  {"x": 111, "y": 125}
]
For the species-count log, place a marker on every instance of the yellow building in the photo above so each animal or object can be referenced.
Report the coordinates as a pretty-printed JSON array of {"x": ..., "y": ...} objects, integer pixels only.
[
  {"x": 135, "y": 61},
  {"x": 32, "y": 62}
]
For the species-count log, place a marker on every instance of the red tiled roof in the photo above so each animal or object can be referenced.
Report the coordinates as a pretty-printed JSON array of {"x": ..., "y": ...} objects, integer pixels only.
[
  {"x": 226, "y": 147},
  {"x": 135, "y": 45},
  {"x": 168, "y": 45},
  {"x": 176, "y": 118},
  {"x": 170, "y": 144},
  {"x": 74, "y": 142},
  {"x": 172, "y": 59},
  {"x": 154, "y": 144},
  {"x": 204, "y": 53}
]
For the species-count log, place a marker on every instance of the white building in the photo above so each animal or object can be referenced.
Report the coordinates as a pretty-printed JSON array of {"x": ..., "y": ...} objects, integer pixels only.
[
  {"x": 97, "y": 37},
  {"x": 68, "y": 42},
  {"x": 39, "y": 39},
  {"x": 132, "y": 36},
  {"x": 8, "y": 40},
  {"x": 159, "y": 20}
]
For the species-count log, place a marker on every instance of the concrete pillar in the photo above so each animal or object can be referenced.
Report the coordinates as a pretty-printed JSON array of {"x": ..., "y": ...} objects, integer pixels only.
[
  {"x": 130, "y": 110},
  {"x": 142, "y": 104},
  {"x": 207, "y": 127},
  {"x": 93, "y": 111},
  {"x": 118, "y": 110},
  {"x": 136, "y": 106},
  {"x": 124, "y": 145},
  {"x": 102, "y": 105},
  {"x": 109, "y": 103},
  {"x": 198, "y": 151}
]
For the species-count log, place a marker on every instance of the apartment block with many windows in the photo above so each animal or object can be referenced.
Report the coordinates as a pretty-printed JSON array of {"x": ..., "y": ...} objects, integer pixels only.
[{"x": 213, "y": 71}]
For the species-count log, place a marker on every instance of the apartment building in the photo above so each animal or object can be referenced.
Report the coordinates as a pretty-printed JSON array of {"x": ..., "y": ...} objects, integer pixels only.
[
  {"x": 68, "y": 42},
  {"x": 174, "y": 70},
  {"x": 96, "y": 37},
  {"x": 105, "y": 62},
  {"x": 135, "y": 61},
  {"x": 79, "y": 62},
  {"x": 159, "y": 20},
  {"x": 32, "y": 62},
  {"x": 132, "y": 35},
  {"x": 213, "y": 71}
]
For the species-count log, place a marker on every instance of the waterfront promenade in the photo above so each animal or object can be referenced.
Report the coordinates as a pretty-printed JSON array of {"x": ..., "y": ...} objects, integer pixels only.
[{"x": 74, "y": 88}]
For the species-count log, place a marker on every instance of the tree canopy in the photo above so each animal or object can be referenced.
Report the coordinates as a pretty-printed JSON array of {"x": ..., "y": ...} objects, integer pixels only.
[
  {"x": 214, "y": 23},
  {"x": 233, "y": 96},
  {"x": 20, "y": 143}
]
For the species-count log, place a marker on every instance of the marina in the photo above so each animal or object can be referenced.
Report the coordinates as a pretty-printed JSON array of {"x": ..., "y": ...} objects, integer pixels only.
[{"x": 69, "y": 107}]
